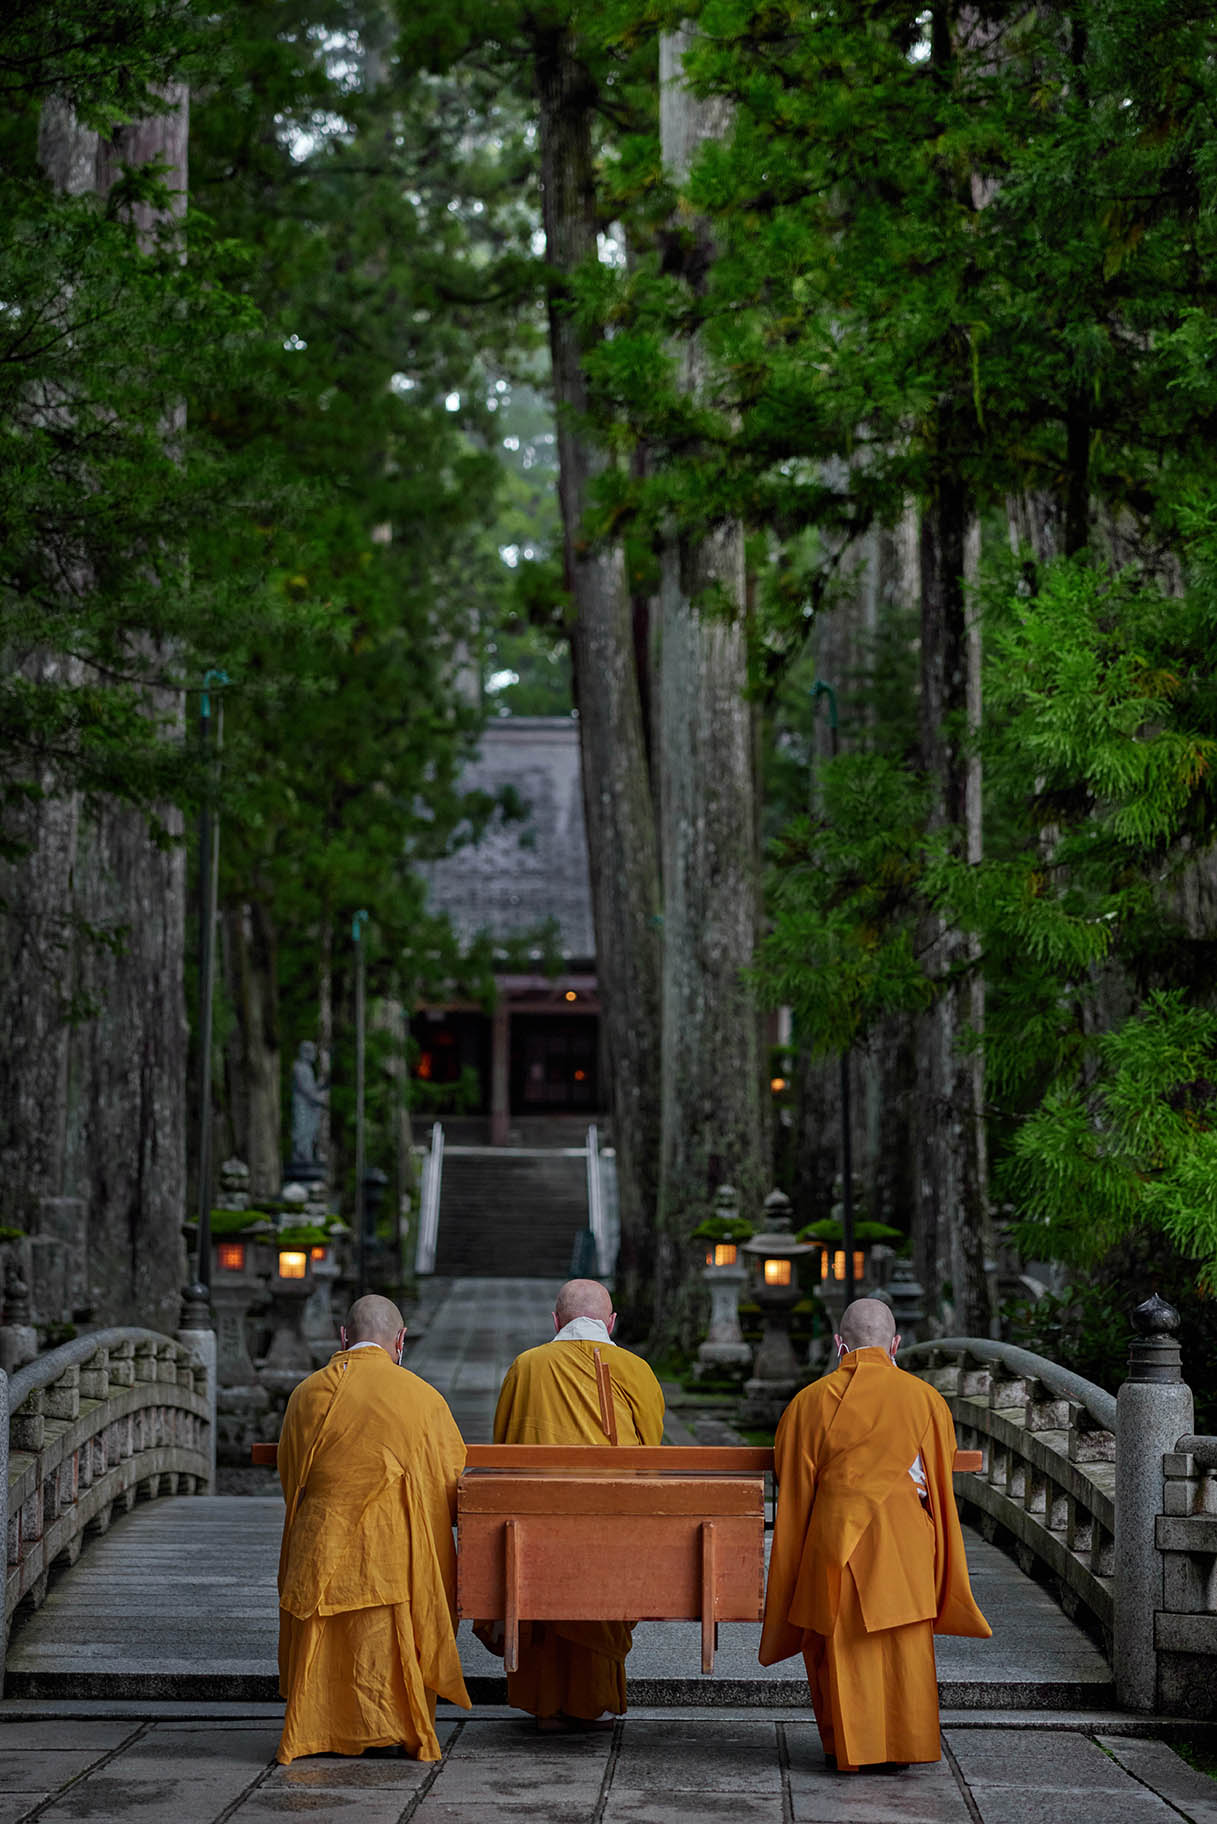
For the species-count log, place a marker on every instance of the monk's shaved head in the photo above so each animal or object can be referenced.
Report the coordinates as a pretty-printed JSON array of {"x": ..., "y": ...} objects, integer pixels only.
[
  {"x": 373, "y": 1319},
  {"x": 583, "y": 1298},
  {"x": 867, "y": 1324}
]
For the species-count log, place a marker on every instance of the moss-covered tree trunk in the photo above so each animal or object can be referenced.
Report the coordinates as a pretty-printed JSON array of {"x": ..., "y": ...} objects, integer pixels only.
[
  {"x": 252, "y": 1058},
  {"x": 617, "y": 800},
  {"x": 712, "y": 1123},
  {"x": 952, "y": 1235},
  {"x": 93, "y": 1083}
]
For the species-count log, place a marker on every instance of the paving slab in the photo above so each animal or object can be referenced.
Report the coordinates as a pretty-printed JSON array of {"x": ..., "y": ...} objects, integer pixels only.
[
  {"x": 354, "y": 1802},
  {"x": 1158, "y": 1766},
  {"x": 567, "y": 1809},
  {"x": 1030, "y": 1758},
  {"x": 652, "y": 1770},
  {"x": 1014, "y": 1805},
  {"x": 628, "y": 1806},
  {"x": 673, "y": 1757}
]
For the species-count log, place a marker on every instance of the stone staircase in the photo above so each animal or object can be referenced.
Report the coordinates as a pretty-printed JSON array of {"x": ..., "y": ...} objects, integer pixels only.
[{"x": 510, "y": 1211}]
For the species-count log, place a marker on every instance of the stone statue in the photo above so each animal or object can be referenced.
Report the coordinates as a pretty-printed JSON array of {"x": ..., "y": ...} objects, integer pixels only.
[{"x": 309, "y": 1097}]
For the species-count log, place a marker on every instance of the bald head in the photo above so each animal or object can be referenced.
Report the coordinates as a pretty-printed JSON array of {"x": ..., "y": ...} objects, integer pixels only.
[
  {"x": 373, "y": 1319},
  {"x": 867, "y": 1324},
  {"x": 582, "y": 1298}
]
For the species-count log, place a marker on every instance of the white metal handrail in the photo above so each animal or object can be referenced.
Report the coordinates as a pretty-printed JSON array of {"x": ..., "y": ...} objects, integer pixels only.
[
  {"x": 595, "y": 1201},
  {"x": 428, "y": 1214}
]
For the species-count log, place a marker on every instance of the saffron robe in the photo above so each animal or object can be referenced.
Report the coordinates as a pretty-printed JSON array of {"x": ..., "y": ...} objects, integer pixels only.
[
  {"x": 862, "y": 1573},
  {"x": 574, "y": 1668},
  {"x": 369, "y": 1458}
]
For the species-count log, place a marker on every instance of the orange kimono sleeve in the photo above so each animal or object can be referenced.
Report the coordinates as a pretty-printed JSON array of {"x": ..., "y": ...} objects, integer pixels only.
[
  {"x": 795, "y": 1471},
  {"x": 957, "y": 1610}
]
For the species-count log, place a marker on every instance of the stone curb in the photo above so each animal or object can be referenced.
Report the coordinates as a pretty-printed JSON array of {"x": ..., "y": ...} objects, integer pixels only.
[{"x": 660, "y": 1693}]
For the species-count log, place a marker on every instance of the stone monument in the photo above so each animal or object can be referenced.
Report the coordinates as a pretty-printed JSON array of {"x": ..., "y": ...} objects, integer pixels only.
[{"x": 309, "y": 1097}]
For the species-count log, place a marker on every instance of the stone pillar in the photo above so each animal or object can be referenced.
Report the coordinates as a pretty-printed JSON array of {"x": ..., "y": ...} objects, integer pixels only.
[
  {"x": 18, "y": 1337},
  {"x": 1153, "y": 1410},
  {"x": 196, "y": 1334},
  {"x": 724, "y": 1347},
  {"x": 500, "y": 1075}
]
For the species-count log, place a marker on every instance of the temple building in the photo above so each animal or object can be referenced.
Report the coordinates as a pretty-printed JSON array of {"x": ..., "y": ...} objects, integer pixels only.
[{"x": 530, "y": 1069}]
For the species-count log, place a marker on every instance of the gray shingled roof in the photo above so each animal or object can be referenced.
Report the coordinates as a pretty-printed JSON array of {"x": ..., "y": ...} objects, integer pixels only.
[{"x": 522, "y": 873}]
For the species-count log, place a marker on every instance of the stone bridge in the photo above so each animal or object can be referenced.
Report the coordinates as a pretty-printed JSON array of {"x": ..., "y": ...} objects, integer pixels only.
[{"x": 1106, "y": 1506}]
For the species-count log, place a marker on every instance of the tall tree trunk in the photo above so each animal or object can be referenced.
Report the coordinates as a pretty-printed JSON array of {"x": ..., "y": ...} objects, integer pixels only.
[
  {"x": 952, "y": 1240},
  {"x": 847, "y": 653},
  {"x": 96, "y": 1032},
  {"x": 616, "y": 790},
  {"x": 712, "y": 1122},
  {"x": 253, "y": 1064}
]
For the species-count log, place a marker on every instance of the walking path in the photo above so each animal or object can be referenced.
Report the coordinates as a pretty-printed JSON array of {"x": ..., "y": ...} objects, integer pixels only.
[
  {"x": 171, "y": 1617},
  {"x": 189, "y": 1767}
]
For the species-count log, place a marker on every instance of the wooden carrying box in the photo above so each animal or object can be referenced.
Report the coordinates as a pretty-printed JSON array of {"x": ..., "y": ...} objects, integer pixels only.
[{"x": 611, "y": 1533}]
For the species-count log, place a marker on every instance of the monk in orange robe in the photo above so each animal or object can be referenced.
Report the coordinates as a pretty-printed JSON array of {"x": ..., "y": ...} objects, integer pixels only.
[
  {"x": 369, "y": 1459},
  {"x": 868, "y": 1560},
  {"x": 573, "y": 1672}
]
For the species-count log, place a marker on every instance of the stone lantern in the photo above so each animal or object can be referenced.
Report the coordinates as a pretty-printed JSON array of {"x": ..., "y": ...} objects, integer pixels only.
[
  {"x": 289, "y": 1357},
  {"x": 773, "y": 1255},
  {"x": 725, "y": 1275}
]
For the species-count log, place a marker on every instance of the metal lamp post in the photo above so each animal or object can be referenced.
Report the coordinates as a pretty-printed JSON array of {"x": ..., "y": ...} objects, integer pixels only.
[
  {"x": 357, "y": 924},
  {"x": 211, "y": 742},
  {"x": 821, "y": 689}
]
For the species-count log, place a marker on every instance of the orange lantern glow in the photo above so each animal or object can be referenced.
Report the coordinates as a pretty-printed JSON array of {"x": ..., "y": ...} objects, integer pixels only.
[
  {"x": 231, "y": 1256},
  {"x": 317, "y": 1253},
  {"x": 833, "y": 1266},
  {"x": 293, "y": 1263},
  {"x": 724, "y": 1254},
  {"x": 777, "y": 1272}
]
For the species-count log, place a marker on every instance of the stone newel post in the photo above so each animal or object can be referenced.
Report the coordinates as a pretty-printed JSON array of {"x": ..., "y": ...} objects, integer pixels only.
[
  {"x": 1153, "y": 1410},
  {"x": 196, "y": 1333}
]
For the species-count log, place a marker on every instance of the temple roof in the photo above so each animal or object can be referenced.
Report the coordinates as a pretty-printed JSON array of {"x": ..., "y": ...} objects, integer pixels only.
[{"x": 523, "y": 873}]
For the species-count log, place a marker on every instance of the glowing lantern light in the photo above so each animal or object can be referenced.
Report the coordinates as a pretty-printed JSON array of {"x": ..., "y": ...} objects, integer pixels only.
[{"x": 293, "y": 1263}]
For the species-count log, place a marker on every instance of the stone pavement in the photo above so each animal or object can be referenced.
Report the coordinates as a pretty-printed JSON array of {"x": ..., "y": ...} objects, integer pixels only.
[
  {"x": 475, "y": 1328},
  {"x": 188, "y": 1767}
]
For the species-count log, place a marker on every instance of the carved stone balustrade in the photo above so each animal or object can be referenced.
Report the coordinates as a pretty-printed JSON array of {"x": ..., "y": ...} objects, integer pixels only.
[
  {"x": 1047, "y": 1488},
  {"x": 120, "y": 1414}
]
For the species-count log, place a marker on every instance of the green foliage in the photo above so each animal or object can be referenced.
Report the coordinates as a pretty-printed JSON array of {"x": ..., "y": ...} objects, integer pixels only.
[
  {"x": 101, "y": 335},
  {"x": 232, "y": 1222},
  {"x": 1136, "y": 1147},
  {"x": 1087, "y": 1327},
  {"x": 722, "y": 1228},
  {"x": 830, "y": 1230},
  {"x": 841, "y": 952},
  {"x": 303, "y": 1235}
]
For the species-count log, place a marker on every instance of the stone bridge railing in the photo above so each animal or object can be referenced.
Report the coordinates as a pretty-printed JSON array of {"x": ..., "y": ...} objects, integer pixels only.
[
  {"x": 1114, "y": 1498},
  {"x": 1185, "y": 1627},
  {"x": 1048, "y": 1484},
  {"x": 88, "y": 1428}
]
